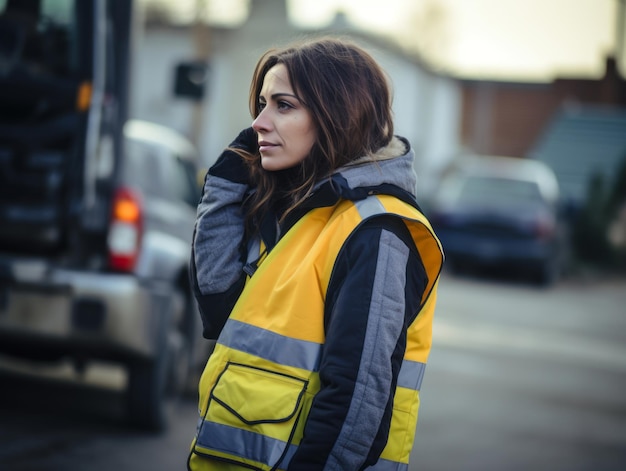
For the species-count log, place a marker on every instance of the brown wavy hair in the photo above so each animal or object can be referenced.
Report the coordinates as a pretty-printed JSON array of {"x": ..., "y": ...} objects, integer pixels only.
[{"x": 349, "y": 97}]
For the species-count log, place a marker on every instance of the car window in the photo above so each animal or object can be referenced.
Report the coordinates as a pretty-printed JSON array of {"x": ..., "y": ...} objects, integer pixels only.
[
  {"x": 143, "y": 167},
  {"x": 43, "y": 37},
  {"x": 183, "y": 183},
  {"x": 498, "y": 191},
  {"x": 160, "y": 173}
]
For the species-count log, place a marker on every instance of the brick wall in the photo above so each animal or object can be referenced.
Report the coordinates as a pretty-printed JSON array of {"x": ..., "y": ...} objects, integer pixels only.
[{"x": 507, "y": 118}]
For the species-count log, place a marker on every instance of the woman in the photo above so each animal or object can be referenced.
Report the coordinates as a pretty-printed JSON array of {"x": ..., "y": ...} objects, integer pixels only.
[{"x": 316, "y": 273}]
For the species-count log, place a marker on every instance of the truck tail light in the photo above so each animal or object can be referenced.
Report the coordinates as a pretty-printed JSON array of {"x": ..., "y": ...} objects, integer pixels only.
[{"x": 125, "y": 230}]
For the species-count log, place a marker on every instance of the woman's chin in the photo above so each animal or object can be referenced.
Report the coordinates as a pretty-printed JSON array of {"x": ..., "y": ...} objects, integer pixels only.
[{"x": 272, "y": 164}]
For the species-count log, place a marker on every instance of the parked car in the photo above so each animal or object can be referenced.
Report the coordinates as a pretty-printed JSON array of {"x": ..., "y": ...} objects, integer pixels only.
[
  {"x": 122, "y": 295},
  {"x": 492, "y": 211}
]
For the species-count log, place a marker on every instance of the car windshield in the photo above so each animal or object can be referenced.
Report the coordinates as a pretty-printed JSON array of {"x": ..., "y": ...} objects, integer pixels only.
[
  {"x": 498, "y": 191},
  {"x": 38, "y": 35}
]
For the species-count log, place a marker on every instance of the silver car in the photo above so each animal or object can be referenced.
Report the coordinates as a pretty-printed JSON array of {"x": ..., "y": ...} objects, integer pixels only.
[{"x": 119, "y": 292}]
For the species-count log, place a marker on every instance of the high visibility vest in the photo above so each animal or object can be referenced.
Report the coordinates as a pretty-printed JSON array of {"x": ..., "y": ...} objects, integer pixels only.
[{"x": 259, "y": 383}]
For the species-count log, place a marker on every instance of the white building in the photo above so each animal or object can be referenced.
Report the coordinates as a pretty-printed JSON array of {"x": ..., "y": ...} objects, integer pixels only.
[{"x": 426, "y": 105}]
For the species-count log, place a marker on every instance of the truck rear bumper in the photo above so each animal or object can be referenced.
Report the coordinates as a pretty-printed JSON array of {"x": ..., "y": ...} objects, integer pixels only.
[{"x": 105, "y": 314}]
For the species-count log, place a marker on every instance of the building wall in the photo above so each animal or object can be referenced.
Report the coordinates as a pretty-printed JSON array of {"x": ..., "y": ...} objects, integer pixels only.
[
  {"x": 156, "y": 55},
  {"x": 426, "y": 106},
  {"x": 504, "y": 119},
  {"x": 507, "y": 118}
]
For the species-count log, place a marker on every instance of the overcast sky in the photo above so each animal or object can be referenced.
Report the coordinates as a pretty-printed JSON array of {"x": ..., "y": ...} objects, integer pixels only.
[{"x": 533, "y": 40}]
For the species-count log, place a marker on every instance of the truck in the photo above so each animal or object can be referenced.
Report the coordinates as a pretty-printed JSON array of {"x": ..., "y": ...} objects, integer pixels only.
[{"x": 96, "y": 210}]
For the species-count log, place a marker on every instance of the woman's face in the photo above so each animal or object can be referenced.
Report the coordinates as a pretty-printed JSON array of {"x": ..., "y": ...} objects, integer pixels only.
[{"x": 285, "y": 127}]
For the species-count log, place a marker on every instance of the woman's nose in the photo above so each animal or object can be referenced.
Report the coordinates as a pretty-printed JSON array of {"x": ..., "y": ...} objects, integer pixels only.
[{"x": 261, "y": 122}]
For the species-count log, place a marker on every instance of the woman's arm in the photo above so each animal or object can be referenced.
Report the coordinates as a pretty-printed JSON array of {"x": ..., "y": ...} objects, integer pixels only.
[
  {"x": 217, "y": 250},
  {"x": 374, "y": 294}
]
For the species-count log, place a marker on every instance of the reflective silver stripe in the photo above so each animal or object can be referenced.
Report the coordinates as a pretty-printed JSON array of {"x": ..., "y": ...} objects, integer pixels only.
[
  {"x": 386, "y": 465},
  {"x": 244, "y": 443},
  {"x": 369, "y": 207},
  {"x": 254, "y": 250},
  {"x": 270, "y": 345},
  {"x": 411, "y": 374}
]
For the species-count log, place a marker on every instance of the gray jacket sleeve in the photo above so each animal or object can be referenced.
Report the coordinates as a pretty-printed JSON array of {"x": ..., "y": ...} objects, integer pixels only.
[{"x": 217, "y": 254}]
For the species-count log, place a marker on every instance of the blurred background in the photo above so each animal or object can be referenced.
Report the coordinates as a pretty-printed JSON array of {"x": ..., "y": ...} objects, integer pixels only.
[
  {"x": 533, "y": 80},
  {"x": 516, "y": 110}
]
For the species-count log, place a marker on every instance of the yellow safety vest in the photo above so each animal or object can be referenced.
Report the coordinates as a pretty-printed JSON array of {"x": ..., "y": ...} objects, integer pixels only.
[{"x": 260, "y": 381}]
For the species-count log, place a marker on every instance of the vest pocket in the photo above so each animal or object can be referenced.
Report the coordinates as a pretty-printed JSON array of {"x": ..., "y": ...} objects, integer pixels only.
[{"x": 252, "y": 416}]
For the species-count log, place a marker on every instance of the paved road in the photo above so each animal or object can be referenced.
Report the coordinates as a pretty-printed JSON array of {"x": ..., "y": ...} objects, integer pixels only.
[
  {"x": 519, "y": 379},
  {"x": 525, "y": 379}
]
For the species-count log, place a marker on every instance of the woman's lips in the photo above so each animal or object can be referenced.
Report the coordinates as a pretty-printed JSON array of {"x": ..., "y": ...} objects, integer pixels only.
[{"x": 264, "y": 146}]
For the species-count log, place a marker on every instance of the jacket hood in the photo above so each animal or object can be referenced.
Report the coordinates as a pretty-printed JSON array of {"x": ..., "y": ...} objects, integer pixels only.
[
  {"x": 390, "y": 165},
  {"x": 388, "y": 171}
]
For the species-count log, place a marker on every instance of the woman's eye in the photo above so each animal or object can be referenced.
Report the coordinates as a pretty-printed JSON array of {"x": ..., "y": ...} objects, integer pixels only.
[
  {"x": 284, "y": 105},
  {"x": 260, "y": 106}
]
